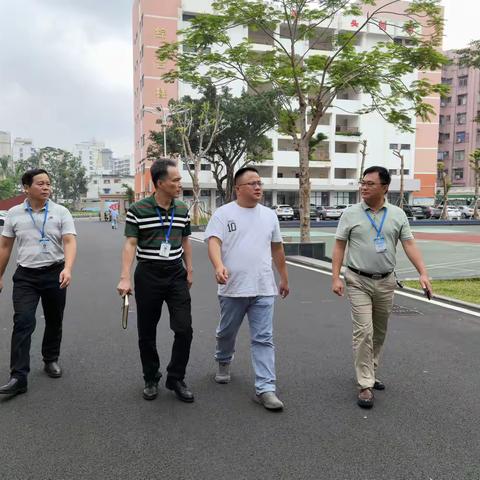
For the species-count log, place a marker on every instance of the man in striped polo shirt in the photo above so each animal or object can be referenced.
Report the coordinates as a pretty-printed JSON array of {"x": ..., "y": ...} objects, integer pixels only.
[
  {"x": 157, "y": 230},
  {"x": 46, "y": 250}
]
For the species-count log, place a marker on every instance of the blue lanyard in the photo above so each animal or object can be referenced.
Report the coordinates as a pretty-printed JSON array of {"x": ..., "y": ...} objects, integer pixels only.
[
  {"x": 167, "y": 236},
  {"x": 382, "y": 221},
  {"x": 42, "y": 231}
]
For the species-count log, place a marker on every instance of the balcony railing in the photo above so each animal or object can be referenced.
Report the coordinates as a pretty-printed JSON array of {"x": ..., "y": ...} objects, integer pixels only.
[{"x": 346, "y": 130}]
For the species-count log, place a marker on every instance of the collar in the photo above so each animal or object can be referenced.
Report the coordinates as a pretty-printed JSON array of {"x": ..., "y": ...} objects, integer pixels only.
[
  {"x": 25, "y": 204},
  {"x": 173, "y": 203},
  {"x": 366, "y": 207}
]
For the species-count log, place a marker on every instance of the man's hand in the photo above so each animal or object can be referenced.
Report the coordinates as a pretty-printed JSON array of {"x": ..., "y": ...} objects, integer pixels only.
[
  {"x": 337, "y": 287},
  {"x": 221, "y": 275},
  {"x": 124, "y": 287},
  {"x": 190, "y": 278},
  {"x": 65, "y": 278},
  {"x": 425, "y": 284},
  {"x": 283, "y": 289}
]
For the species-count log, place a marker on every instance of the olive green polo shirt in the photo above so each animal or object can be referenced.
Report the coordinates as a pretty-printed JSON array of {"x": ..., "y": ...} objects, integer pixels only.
[{"x": 356, "y": 229}]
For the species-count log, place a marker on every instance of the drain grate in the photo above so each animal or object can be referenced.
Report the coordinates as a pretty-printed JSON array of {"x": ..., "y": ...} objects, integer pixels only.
[{"x": 404, "y": 311}]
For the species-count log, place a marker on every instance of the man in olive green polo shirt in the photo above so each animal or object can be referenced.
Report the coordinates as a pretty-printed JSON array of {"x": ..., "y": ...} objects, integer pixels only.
[{"x": 372, "y": 229}]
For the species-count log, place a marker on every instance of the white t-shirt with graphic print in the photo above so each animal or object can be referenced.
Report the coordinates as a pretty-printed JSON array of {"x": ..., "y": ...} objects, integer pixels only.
[{"x": 246, "y": 235}]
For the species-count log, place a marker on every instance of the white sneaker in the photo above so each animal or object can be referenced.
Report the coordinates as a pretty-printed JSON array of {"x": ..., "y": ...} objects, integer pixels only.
[
  {"x": 269, "y": 400},
  {"x": 223, "y": 373}
]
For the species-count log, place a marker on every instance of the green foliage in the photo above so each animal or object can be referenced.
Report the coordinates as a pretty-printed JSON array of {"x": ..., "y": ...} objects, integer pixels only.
[
  {"x": 470, "y": 56},
  {"x": 129, "y": 192},
  {"x": 8, "y": 188}
]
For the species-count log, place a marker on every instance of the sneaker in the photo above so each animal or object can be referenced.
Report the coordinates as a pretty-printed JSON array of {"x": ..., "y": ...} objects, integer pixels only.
[
  {"x": 223, "y": 373},
  {"x": 269, "y": 400}
]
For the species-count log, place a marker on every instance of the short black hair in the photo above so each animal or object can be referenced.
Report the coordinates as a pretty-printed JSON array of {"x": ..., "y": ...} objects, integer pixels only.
[
  {"x": 27, "y": 177},
  {"x": 383, "y": 173},
  {"x": 159, "y": 169},
  {"x": 241, "y": 171}
]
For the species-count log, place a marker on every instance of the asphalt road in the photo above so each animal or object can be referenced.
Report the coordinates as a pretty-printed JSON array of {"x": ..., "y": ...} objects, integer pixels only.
[{"x": 93, "y": 423}]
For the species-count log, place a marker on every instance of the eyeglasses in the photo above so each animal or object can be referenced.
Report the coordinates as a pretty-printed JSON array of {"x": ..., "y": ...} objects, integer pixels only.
[
  {"x": 252, "y": 184},
  {"x": 369, "y": 184}
]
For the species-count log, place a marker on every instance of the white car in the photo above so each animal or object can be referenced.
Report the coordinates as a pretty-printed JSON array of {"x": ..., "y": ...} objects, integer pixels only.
[
  {"x": 454, "y": 213},
  {"x": 466, "y": 212},
  {"x": 3, "y": 214},
  {"x": 284, "y": 212}
]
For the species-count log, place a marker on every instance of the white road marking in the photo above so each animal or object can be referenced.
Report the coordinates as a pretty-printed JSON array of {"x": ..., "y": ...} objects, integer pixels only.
[
  {"x": 439, "y": 265},
  {"x": 404, "y": 294}
]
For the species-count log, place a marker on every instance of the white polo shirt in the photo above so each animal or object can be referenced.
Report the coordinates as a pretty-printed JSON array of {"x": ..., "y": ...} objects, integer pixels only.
[{"x": 30, "y": 251}]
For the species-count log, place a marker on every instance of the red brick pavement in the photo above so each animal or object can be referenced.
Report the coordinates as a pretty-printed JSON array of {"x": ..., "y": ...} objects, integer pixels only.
[{"x": 448, "y": 237}]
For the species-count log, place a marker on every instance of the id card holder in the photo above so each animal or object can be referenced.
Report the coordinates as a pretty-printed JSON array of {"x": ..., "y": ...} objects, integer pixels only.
[
  {"x": 165, "y": 249},
  {"x": 380, "y": 245},
  {"x": 44, "y": 245}
]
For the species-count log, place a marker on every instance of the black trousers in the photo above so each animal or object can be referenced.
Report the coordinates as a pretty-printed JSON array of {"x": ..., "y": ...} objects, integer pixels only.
[
  {"x": 29, "y": 286},
  {"x": 155, "y": 283}
]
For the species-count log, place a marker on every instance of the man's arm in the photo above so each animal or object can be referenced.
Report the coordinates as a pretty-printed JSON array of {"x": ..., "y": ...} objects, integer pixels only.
[
  {"x": 124, "y": 287},
  {"x": 6, "y": 245},
  {"x": 337, "y": 261},
  {"x": 187, "y": 258},
  {"x": 215, "y": 256},
  {"x": 70, "y": 252},
  {"x": 278, "y": 256},
  {"x": 414, "y": 255}
]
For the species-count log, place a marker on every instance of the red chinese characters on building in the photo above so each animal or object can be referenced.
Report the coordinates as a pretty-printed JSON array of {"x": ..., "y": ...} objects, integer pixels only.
[
  {"x": 382, "y": 25},
  {"x": 354, "y": 23}
]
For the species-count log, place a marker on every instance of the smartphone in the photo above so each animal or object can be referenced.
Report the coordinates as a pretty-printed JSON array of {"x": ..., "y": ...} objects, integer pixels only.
[{"x": 426, "y": 292}]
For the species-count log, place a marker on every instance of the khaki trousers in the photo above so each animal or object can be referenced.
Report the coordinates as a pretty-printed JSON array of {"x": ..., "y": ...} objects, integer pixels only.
[{"x": 371, "y": 302}]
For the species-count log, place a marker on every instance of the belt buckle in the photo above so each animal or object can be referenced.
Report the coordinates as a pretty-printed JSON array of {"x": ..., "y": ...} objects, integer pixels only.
[{"x": 377, "y": 276}]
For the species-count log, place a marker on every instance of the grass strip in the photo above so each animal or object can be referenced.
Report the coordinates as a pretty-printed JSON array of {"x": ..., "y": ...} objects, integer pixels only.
[{"x": 467, "y": 290}]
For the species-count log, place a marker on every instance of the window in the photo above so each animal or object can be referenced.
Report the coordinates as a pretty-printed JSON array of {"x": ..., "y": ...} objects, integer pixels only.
[
  {"x": 460, "y": 137},
  {"x": 188, "y": 17},
  {"x": 442, "y": 120},
  {"x": 443, "y": 137},
  {"x": 205, "y": 166},
  {"x": 392, "y": 171},
  {"x": 393, "y": 146},
  {"x": 279, "y": 175},
  {"x": 458, "y": 173},
  {"x": 260, "y": 36},
  {"x": 406, "y": 171},
  {"x": 405, "y": 146},
  {"x": 106, "y": 181},
  {"x": 344, "y": 198},
  {"x": 461, "y": 99},
  {"x": 463, "y": 81},
  {"x": 117, "y": 180},
  {"x": 461, "y": 118},
  {"x": 95, "y": 182},
  {"x": 447, "y": 81},
  {"x": 285, "y": 145},
  {"x": 445, "y": 101},
  {"x": 459, "y": 155}
]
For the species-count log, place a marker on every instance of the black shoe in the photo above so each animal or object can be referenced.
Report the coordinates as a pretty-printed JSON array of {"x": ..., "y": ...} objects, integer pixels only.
[
  {"x": 150, "y": 391},
  {"x": 53, "y": 369},
  {"x": 379, "y": 385},
  {"x": 14, "y": 387},
  {"x": 180, "y": 388},
  {"x": 365, "y": 398}
]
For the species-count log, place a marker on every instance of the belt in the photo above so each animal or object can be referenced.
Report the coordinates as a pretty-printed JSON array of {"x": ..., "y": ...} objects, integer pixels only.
[
  {"x": 52, "y": 266},
  {"x": 373, "y": 276}
]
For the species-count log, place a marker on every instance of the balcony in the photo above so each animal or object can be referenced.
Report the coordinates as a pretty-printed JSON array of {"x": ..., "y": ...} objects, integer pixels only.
[{"x": 347, "y": 131}]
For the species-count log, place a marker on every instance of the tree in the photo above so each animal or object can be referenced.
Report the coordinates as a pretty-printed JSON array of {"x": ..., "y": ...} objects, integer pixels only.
[
  {"x": 446, "y": 183},
  {"x": 5, "y": 162},
  {"x": 475, "y": 165},
  {"x": 8, "y": 188},
  {"x": 297, "y": 67},
  {"x": 400, "y": 156},
  {"x": 129, "y": 192},
  {"x": 363, "y": 153}
]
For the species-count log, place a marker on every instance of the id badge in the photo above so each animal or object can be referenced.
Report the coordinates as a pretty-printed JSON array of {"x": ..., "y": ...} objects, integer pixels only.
[
  {"x": 165, "y": 249},
  {"x": 44, "y": 245},
  {"x": 380, "y": 245}
]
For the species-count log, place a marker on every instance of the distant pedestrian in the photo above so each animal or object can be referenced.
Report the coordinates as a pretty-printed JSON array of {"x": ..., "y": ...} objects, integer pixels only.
[
  {"x": 371, "y": 229},
  {"x": 114, "y": 216},
  {"x": 157, "y": 230},
  {"x": 243, "y": 237},
  {"x": 46, "y": 243}
]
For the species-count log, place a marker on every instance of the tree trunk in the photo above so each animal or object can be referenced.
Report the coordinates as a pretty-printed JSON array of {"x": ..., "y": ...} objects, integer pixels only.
[
  {"x": 402, "y": 188},
  {"x": 304, "y": 183},
  {"x": 444, "y": 214},
  {"x": 230, "y": 187},
  {"x": 476, "y": 213},
  {"x": 196, "y": 193}
]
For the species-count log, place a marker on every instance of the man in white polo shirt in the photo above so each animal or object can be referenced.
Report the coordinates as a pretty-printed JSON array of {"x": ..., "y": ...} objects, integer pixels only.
[
  {"x": 243, "y": 238},
  {"x": 46, "y": 246}
]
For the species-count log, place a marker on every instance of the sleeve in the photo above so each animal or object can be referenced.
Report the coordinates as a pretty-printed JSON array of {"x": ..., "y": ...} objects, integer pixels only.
[
  {"x": 8, "y": 228},
  {"x": 405, "y": 231},
  {"x": 68, "y": 225},
  {"x": 343, "y": 228},
  {"x": 215, "y": 228},
  {"x": 187, "y": 229},
  {"x": 276, "y": 234},
  {"x": 131, "y": 223}
]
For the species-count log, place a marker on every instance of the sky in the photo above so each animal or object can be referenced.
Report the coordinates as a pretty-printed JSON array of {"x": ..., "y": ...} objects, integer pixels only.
[{"x": 66, "y": 68}]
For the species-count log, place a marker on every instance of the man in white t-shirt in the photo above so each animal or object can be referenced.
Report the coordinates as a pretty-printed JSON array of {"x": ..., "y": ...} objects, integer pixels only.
[{"x": 243, "y": 238}]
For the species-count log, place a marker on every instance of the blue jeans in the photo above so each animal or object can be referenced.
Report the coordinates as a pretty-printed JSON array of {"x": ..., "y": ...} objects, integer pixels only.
[{"x": 260, "y": 320}]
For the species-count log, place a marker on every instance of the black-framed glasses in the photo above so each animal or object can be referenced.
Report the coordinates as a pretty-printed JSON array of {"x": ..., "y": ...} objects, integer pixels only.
[
  {"x": 252, "y": 184},
  {"x": 369, "y": 184}
]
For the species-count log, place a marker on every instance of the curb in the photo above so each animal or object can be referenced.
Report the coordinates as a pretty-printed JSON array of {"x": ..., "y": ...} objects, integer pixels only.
[{"x": 326, "y": 267}]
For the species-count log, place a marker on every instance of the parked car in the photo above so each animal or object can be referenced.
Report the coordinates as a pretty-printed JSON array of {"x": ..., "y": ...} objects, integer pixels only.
[
  {"x": 466, "y": 211},
  {"x": 284, "y": 212},
  {"x": 3, "y": 214},
  {"x": 431, "y": 212},
  {"x": 413, "y": 211},
  {"x": 313, "y": 212},
  {"x": 329, "y": 212},
  {"x": 454, "y": 213}
]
